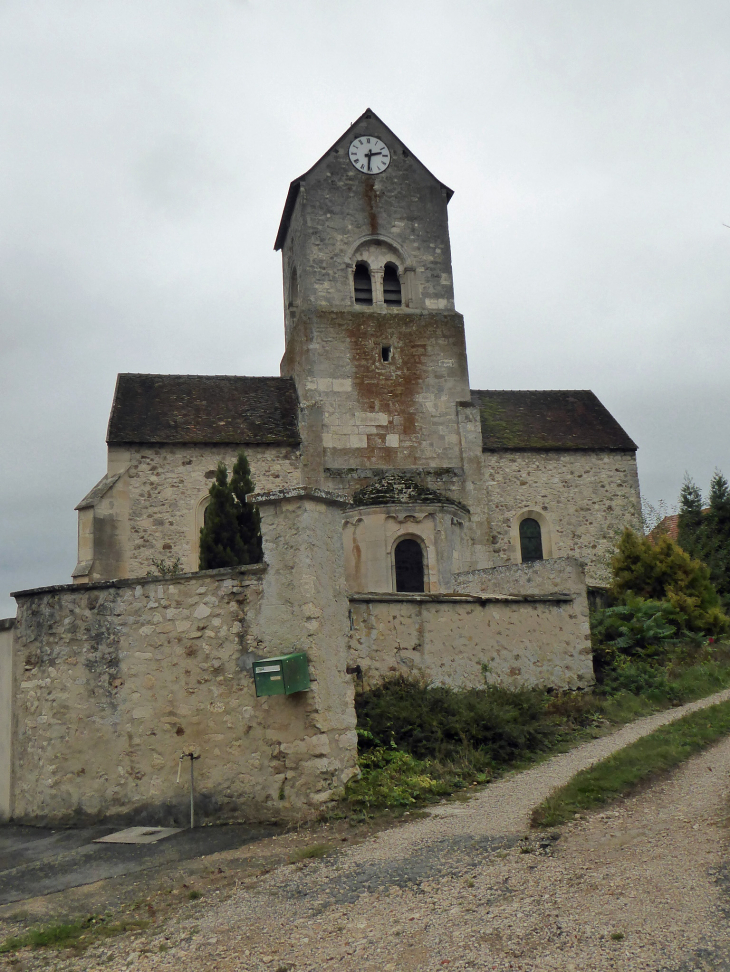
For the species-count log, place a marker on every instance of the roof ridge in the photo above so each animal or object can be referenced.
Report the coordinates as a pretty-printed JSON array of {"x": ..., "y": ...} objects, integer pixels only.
[
  {"x": 148, "y": 374},
  {"x": 522, "y": 391}
]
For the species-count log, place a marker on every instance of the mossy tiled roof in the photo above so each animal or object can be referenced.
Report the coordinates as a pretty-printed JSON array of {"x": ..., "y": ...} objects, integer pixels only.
[
  {"x": 201, "y": 408},
  {"x": 560, "y": 420},
  {"x": 396, "y": 489}
]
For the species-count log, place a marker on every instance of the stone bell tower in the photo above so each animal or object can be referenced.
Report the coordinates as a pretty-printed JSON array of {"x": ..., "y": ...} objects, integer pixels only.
[{"x": 372, "y": 337}]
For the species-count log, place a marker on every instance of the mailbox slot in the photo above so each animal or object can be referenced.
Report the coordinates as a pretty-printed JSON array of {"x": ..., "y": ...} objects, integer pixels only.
[{"x": 282, "y": 675}]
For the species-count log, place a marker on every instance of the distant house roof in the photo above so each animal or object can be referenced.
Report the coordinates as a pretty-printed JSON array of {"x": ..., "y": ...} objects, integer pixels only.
[
  {"x": 669, "y": 526},
  {"x": 399, "y": 489},
  {"x": 199, "y": 408},
  {"x": 548, "y": 420}
]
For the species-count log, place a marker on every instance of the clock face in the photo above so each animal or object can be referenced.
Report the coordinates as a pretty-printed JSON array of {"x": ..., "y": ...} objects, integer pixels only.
[{"x": 369, "y": 154}]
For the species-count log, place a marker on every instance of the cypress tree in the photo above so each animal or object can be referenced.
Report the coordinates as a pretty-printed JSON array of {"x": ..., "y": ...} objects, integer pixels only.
[
  {"x": 689, "y": 525},
  {"x": 249, "y": 520},
  {"x": 232, "y": 532},
  {"x": 220, "y": 539}
]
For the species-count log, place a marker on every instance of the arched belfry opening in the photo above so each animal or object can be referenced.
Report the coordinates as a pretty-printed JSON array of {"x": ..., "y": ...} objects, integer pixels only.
[
  {"x": 409, "y": 573},
  {"x": 363, "y": 284},
  {"x": 392, "y": 295},
  {"x": 530, "y": 540}
]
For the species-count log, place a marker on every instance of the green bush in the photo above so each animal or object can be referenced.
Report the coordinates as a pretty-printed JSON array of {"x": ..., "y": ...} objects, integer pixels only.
[
  {"x": 467, "y": 732},
  {"x": 637, "y": 627},
  {"x": 640, "y": 678},
  {"x": 662, "y": 571},
  {"x": 436, "y": 722},
  {"x": 392, "y": 778}
]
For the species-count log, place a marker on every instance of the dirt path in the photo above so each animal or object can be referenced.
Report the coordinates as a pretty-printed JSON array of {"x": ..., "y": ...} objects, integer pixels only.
[{"x": 642, "y": 887}]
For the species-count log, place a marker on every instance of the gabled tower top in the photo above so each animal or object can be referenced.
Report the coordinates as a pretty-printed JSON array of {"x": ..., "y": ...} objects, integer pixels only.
[{"x": 366, "y": 226}]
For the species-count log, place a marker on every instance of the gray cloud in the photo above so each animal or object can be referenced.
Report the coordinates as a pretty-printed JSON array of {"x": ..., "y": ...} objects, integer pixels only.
[{"x": 147, "y": 151}]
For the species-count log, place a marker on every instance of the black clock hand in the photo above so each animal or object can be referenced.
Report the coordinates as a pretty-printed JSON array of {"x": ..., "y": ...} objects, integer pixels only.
[{"x": 369, "y": 155}]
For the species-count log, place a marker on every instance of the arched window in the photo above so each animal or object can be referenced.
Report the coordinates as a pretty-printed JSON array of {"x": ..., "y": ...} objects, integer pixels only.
[
  {"x": 363, "y": 284},
  {"x": 409, "y": 567},
  {"x": 530, "y": 540},
  {"x": 293, "y": 289},
  {"x": 391, "y": 286}
]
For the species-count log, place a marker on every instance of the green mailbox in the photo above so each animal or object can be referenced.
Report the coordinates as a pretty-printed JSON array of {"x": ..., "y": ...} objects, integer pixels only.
[{"x": 282, "y": 675}]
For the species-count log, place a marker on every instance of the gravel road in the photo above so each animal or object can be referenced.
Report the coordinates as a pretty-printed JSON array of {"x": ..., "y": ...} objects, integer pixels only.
[{"x": 641, "y": 887}]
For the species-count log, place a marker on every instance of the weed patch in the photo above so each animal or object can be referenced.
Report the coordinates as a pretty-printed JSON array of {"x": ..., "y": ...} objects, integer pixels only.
[
  {"x": 78, "y": 934},
  {"x": 308, "y": 853},
  {"x": 644, "y": 760}
]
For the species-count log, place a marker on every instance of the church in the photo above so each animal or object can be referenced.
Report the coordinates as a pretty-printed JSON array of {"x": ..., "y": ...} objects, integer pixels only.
[
  {"x": 410, "y": 525},
  {"x": 373, "y": 401}
]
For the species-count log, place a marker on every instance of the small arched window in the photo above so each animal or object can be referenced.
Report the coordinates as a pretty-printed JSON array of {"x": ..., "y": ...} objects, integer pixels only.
[
  {"x": 530, "y": 540},
  {"x": 391, "y": 286},
  {"x": 409, "y": 567},
  {"x": 293, "y": 289},
  {"x": 363, "y": 284}
]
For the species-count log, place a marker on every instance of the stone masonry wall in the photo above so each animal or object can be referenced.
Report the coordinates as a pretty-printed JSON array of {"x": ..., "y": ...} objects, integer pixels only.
[
  {"x": 460, "y": 641},
  {"x": 168, "y": 486},
  {"x": 7, "y": 626},
  {"x": 395, "y": 414},
  {"x": 586, "y": 499},
  {"x": 114, "y": 681}
]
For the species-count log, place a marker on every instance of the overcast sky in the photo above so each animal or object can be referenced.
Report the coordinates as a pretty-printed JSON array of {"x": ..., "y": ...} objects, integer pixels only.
[{"x": 146, "y": 148}]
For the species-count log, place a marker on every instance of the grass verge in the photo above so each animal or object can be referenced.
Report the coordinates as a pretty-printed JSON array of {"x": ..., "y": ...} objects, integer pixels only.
[
  {"x": 77, "y": 934},
  {"x": 641, "y": 762}
]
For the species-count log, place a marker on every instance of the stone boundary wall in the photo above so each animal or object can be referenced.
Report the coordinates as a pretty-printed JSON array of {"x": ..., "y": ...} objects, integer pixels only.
[
  {"x": 528, "y": 624},
  {"x": 114, "y": 681},
  {"x": 6, "y": 713}
]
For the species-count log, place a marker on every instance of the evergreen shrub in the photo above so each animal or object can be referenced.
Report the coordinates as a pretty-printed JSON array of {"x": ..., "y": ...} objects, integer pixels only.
[
  {"x": 232, "y": 533},
  {"x": 662, "y": 571},
  {"x": 488, "y": 727}
]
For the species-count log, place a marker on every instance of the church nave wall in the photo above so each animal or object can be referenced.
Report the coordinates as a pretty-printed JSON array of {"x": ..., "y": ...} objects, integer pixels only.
[
  {"x": 584, "y": 499},
  {"x": 168, "y": 488}
]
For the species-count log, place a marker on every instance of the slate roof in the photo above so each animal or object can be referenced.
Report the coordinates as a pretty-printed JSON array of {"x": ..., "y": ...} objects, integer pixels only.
[
  {"x": 401, "y": 490},
  {"x": 548, "y": 420},
  {"x": 200, "y": 408}
]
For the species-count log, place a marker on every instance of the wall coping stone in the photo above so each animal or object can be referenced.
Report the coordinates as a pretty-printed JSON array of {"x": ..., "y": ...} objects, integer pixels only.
[
  {"x": 298, "y": 492},
  {"x": 6, "y": 624},
  {"x": 254, "y": 569},
  {"x": 462, "y": 598}
]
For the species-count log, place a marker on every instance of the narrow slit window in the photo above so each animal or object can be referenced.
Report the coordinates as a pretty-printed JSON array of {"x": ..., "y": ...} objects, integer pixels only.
[
  {"x": 391, "y": 286},
  {"x": 363, "y": 284},
  {"x": 409, "y": 577},
  {"x": 386, "y": 353},
  {"x": 530, "y": 540}
]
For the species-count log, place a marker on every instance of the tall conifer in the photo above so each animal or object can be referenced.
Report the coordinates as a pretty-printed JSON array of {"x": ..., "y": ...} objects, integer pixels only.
[
  {"x": 232, "y": 532},
  {"x": 249, "y": 520},
  {"x": 689, "y": 524},
  {"x": 716, "y": 536},
  {"x": 220, "y": 541}
]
